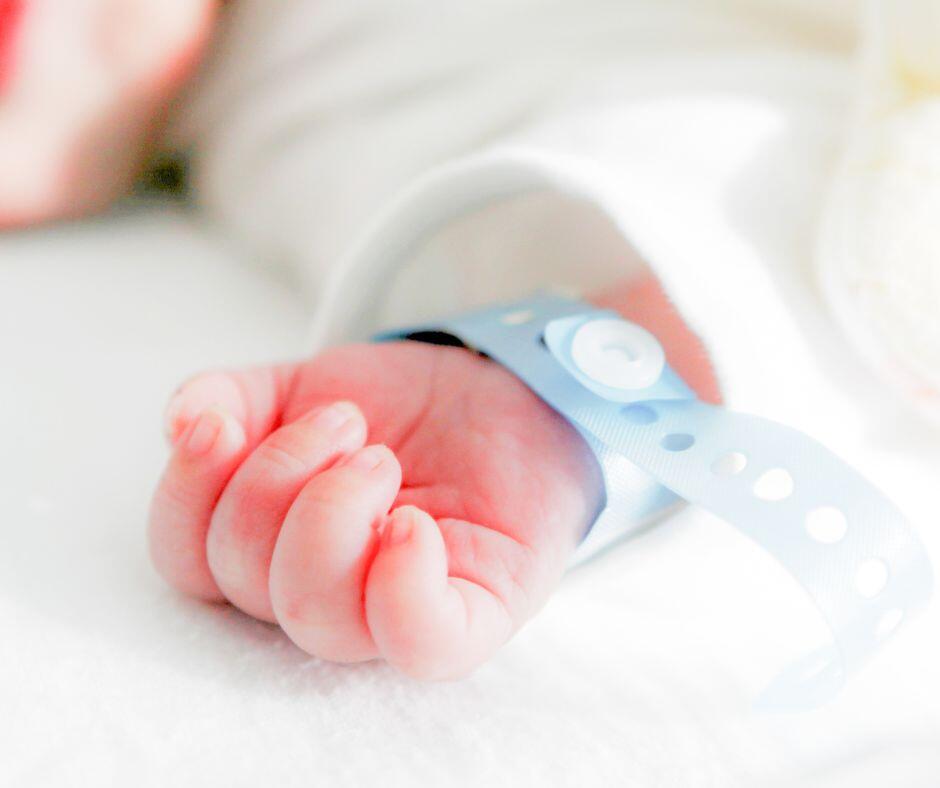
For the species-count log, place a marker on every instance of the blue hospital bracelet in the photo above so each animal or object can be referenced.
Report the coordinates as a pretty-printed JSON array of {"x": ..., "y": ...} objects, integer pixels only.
[{"x": 844, "y": 541}]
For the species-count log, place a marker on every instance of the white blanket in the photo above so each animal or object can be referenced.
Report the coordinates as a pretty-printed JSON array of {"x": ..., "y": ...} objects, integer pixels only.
[{"x": 640, "y": 670}]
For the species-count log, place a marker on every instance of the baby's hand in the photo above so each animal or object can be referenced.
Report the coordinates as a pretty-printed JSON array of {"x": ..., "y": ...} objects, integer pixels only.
[{"x": 274, "y": 501}]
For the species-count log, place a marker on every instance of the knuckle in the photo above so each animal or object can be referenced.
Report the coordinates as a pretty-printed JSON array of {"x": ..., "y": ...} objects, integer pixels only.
[
  {"x": 173, "y": 499},
  {"x": 280, "y": 454},
  {"x": 315, "y": 624},
  {"x": 519, "y": 567},
  {"x": 254, "y": 504},
  {"x": 292, "y": 609}
]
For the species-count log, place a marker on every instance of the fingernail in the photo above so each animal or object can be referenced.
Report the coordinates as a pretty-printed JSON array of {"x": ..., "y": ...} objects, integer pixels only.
[
  {"x": 367, "y": 459},
  {"x": 204, "y": 432},
  {"x": 334, "y": 416},
  {"x": 399, "y": 527}
]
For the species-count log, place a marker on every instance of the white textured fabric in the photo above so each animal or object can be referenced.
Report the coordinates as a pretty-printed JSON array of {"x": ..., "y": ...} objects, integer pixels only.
[{"x": 313, "y": 114}]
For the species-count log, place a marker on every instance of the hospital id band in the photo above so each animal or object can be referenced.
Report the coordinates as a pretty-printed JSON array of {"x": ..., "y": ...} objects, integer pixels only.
[{"x": 848, "y": 546}]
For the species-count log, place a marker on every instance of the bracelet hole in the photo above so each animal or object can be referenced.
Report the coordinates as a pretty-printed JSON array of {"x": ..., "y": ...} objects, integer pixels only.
[
  {"x": 774, "y": 485},
  {"x": 871, "y": 577},
  {"x": 640, "y": 414},
  {"x": 677, "y": 441},
  {"x": 889, "y": 622},
  {"x": 827, "y": 524},
  {"x": 517, "y": 318},
  {"x": 730, "y": 464},
  {"x": 818, "y": 666}
]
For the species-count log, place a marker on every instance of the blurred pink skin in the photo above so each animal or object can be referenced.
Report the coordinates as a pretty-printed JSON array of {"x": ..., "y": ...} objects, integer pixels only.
[
  {"x": 402, "y": 501},
  {"x": 11, "y": 11},
  {"x": 83, "y": 85}
]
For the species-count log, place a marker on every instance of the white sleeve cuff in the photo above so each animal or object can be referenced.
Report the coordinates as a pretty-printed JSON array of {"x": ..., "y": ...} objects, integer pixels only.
[{"x": 500, "y": 225}]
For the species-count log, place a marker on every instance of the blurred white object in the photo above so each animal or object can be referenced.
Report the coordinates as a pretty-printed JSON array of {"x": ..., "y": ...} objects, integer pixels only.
[
  {"x": 879, "y": 247},
  {"x": 299, "y": 162}
]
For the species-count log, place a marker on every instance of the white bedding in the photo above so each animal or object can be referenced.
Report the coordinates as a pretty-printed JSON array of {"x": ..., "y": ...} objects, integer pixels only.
[{"x": 640, "y": 671}]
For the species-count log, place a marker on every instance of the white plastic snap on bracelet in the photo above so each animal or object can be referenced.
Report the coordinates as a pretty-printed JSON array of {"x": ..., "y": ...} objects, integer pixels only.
[
  {"x": 846, "y": 544},
  {"x": 617, "y": 354}
]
